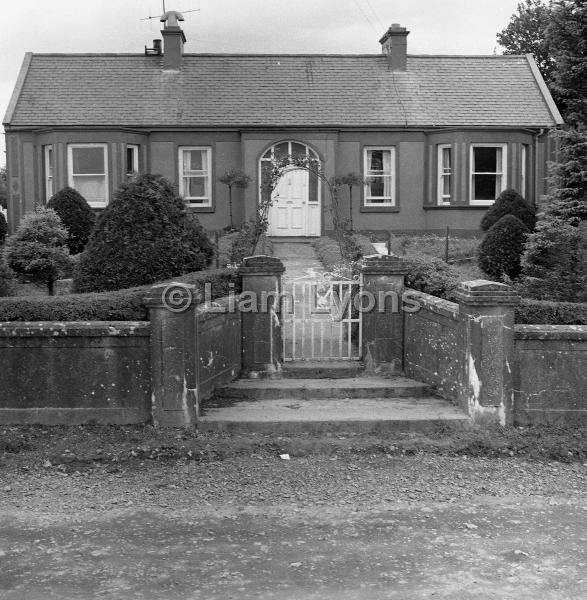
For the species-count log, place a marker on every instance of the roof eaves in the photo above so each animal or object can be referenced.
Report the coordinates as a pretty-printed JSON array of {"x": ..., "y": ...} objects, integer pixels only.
[
  {"x": 17, "y": 88},
  {"x": 544, "y": 89}
]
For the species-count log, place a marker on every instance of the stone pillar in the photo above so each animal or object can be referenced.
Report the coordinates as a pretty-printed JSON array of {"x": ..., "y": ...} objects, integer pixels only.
[
  {"x": 260, "y": 306},
  {"x": 173, "y": 354},
  {"x": 487, "y": 334},
  {"x": 383, "y": 325}
]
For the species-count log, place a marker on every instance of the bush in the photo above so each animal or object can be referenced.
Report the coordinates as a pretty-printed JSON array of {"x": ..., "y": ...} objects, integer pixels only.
[
  {"x": 121, "y": 305},
  {"x": 3, "y": 228},
  {"x": 7, "y": 283},
  {"x": 77, "y": 216},
  {"x": 143, "y": 236},
  {"x": 502, "y": 247},
  {"x": 244, "y": 243},
  {"x": 509, "y": 202},
  {"x": 551, "y": 313},
  {"x": 431, "y": 275},
  {"x": 38, "y": 249}
]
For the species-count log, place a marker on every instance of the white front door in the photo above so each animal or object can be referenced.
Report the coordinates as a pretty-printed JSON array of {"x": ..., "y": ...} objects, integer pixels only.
[{"x": 291, "y": 214}]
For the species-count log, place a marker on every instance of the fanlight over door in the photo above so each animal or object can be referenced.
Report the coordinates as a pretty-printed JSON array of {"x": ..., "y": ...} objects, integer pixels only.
[{"x": 295, "y": 209}]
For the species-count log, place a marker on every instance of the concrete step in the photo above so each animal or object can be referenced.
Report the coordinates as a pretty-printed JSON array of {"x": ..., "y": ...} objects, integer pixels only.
[
  {"x": 328, "y": 369},
  {"x": 309, "y": 388},
  {"x": 357, "y": 415}
]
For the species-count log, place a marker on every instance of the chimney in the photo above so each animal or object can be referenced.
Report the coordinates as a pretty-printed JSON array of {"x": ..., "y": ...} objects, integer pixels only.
[
  {"x": 173, "y": 41},
  {"x": 394, "y": 44}
]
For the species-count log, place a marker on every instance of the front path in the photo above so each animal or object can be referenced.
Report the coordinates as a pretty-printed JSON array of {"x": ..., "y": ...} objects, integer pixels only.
[{"x": 326, "y": 526}]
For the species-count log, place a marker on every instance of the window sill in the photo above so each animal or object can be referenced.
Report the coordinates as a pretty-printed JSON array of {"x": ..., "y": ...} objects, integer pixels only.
[
  {"x": 379, "y": 209},
  {"x": 200, "y": 209},
  {"x": 457, "y": 207}
]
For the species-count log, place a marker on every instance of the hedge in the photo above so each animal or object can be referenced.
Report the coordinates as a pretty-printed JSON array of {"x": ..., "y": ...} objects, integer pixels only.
[
  {"x": 119, "y": 305},
  {"x": 542, "y": 312}
]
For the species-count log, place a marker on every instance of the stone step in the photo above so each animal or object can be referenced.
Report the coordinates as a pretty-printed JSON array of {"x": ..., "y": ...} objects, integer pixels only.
[
  {"x": 357, "y": 415},
  {"x": 309, "y": 388},
  {"x": 328, "y": 369}
]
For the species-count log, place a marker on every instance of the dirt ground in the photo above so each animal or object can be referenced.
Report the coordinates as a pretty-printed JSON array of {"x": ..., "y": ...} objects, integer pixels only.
[{"x": 98, "y": 512}]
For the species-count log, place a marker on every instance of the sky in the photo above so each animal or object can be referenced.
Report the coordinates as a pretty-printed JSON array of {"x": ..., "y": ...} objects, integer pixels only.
[{"x": 281, "y": 26}]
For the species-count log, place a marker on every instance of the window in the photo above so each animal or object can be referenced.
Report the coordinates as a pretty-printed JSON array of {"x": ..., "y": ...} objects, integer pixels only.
[
  {"x": 291, "y": 151},
  {"x": 379, "y": 172},
  {"x": 48, "y": 158},
  {"x": 488, "y": 175},
  {"x": 88, "y": 172},
  {"x": 194, "y": 175},
  {"x": 444, "y": 174},
  {"x": 132, "y": 160},
  {"x": 523, "y": 170}
]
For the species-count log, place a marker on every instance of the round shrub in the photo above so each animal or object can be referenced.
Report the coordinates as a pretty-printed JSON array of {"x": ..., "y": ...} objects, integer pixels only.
[
  {"x": 3, "y": 228},
  {"x": 77, "y": 216},
  {"x": 143, "y": 236},
  {"x": 502, "y": 248},
  {"x": 38, "y": 249},
  {"x": 509, "y": 202}
]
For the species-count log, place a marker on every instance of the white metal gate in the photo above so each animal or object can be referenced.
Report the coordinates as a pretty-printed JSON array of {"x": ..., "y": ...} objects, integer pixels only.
[{"x": 320, "y": 318}]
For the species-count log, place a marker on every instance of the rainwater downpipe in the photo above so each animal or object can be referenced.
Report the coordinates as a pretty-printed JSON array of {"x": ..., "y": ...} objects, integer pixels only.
[{"x": 535, "y": 149}]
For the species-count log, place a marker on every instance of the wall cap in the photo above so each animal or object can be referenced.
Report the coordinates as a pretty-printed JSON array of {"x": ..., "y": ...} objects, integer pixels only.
[
  {"x": 481, "y": 292},
  {"x": 383, "y": 264},
  {"x": 172, "y": 294},
  {"x": 261, "y": 265},
  {"x": 14, "y": 329},
  {"x": 551, "y": 332}
]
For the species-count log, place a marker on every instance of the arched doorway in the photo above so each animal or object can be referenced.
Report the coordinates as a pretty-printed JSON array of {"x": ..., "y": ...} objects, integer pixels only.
[{"x": 296, "y": 208}]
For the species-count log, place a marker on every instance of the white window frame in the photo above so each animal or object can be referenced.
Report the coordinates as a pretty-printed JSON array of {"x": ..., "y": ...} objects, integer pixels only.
[
  {"x": 49, "y": 170},
  {"x": 504, "y": 167},
  {"x": 196, "y": 201},
  {"x": 135, "y": 160},
  {"x": 70, "y": 174},
  {"x": 442, "y": 199},
  {"x": 388, "y": 201},
  {"x": 523, "y": 171}
]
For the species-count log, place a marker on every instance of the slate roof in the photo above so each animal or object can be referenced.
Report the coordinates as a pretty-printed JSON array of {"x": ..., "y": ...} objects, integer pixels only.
[{"x": 217, "y": 90}]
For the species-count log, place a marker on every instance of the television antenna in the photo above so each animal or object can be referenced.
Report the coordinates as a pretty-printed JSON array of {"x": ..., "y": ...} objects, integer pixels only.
[{"x": 149, "y": 18}]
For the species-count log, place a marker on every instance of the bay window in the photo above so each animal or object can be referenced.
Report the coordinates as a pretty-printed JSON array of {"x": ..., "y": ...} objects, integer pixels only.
[
  {"x": 195, "y": 175},
  {"x": 488, "y": 172},
  {"x": 87, "y": 166},
  {"x": 445, "y": 167},
  {"x": 379, "y": 171}
]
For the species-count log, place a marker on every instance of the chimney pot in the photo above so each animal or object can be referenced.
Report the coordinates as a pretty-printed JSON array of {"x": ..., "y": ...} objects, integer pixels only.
[{"x": 394, "y": 44}]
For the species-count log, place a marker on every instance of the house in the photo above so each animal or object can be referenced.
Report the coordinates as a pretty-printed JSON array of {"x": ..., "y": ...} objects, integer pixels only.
[{"x": 436, "y": 137}]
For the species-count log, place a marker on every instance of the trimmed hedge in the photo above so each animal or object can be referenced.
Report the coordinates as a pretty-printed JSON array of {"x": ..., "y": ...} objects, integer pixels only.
[
  {"x": 509, "y": 202},
  {"x": 502, "y": 248},
  {"x": 144, "y": 235},
  {"x": 542, "y": 312},
  {"x": 76, "y": 215},
  {"x": 120, "y": 305},
  {"x": 431, "y": 275}
]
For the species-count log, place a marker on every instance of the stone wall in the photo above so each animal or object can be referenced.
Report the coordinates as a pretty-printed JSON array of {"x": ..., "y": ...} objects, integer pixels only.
[
  {"x": 550, "y": 378},
  {"x": 76, "y": 372},
  {"x": 432, "y": 344}
]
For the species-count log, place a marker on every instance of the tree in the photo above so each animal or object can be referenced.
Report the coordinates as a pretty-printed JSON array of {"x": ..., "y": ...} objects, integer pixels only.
[
  {"x": 77, "y": 216},
  {"x": 554, "y": 259},
  {"x": 509, "y": 202},
  {"x": 502, "y": 247},
  {"x": 566, "y": 37},
  {"x": 234, "y": 178},
  {"x": 3, "y": 188},
  {"x": 7, "y": 287},
  {"x": 526, "y": 34},
  {"x": 3, "y": 228},
  {"x": 350, "y": 180},
  {"x": 143, "y": 236},
  {"x": 38, "y": 250}
]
